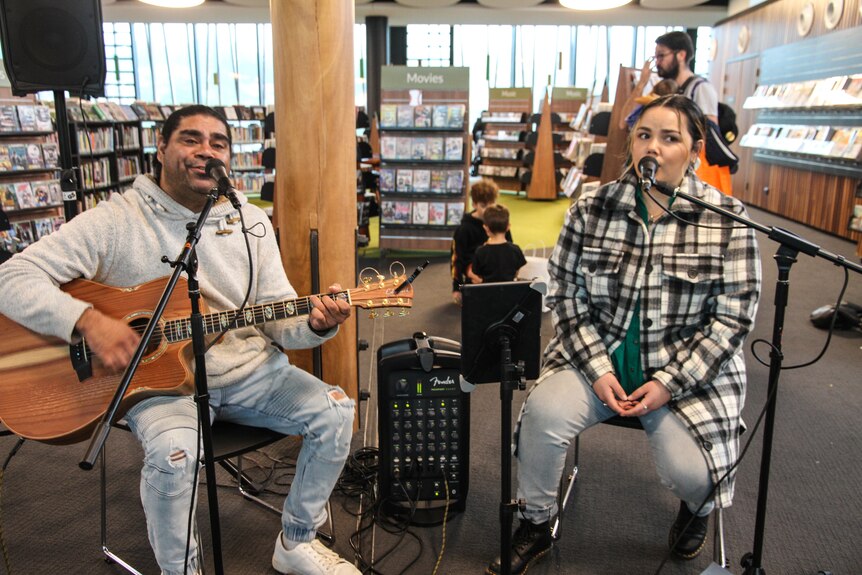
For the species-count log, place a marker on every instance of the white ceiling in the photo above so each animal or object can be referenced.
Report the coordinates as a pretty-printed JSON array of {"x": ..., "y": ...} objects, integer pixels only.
[{"x": 402, "y": 12}]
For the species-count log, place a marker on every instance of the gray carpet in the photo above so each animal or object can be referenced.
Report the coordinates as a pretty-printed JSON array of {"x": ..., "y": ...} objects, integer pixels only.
[{"x": 618, "y": 521}]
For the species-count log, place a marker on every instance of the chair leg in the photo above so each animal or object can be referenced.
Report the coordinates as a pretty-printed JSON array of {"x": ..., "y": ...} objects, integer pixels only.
[
  {"x": 245, "y": 485},
  {"x": 567, "y": 484},
  {"x": 250, "y": 491},
  {"x": 110, "y": 556}
]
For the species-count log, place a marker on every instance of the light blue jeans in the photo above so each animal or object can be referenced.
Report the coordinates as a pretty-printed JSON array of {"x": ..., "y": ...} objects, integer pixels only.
[
  {"x": 562, "y": 406},
  {"x": 280, "y": 397}
]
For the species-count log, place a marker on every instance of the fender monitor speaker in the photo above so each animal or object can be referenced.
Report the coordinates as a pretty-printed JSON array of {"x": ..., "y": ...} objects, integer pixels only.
[
  {"x": 51, "y": 45},
  {"x": 424, "y": 429}
]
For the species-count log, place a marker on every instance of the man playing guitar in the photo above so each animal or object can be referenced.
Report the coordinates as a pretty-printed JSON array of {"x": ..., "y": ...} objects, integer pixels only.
[{"x": 119, "y": 243}]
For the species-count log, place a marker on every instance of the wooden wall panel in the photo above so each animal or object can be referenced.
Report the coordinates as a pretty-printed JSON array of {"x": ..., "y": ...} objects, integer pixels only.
[{"x": 822, "y": 201}]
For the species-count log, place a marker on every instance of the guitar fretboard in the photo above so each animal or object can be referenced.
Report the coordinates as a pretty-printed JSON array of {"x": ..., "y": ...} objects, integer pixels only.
[{"x": 181, "y": 329}]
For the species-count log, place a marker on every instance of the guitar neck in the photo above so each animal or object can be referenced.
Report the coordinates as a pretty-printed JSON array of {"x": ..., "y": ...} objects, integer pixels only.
[{"x": 181, "y": 329}]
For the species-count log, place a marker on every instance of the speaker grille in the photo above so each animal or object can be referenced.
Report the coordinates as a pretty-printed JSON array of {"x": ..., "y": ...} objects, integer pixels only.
[
  {"x": 54, "y": 39},
  {"x": 53, "y": 45}
]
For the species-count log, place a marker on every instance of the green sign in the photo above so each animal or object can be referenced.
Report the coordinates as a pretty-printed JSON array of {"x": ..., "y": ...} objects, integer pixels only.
[
  {"x": 567, "y": 93},
  {"x": 511, "y": 94},
  {"x": 431, "y": 78}
]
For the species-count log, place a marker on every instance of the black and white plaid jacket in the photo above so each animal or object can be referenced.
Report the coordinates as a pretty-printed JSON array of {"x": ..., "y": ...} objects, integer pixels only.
[{"x": 698, "y": 289}]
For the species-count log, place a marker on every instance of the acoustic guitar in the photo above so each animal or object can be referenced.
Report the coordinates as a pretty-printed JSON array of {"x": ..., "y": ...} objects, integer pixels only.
[{"x": 54, "y": 392}]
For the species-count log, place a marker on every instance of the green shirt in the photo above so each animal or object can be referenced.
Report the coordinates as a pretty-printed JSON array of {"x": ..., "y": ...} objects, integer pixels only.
[{"x": 627, "y": 357}]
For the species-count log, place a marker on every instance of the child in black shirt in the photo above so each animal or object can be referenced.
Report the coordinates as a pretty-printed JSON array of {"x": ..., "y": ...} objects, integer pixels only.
[
  {"x": 499, "y": 259},
  {"x": 470, "y": 235}
]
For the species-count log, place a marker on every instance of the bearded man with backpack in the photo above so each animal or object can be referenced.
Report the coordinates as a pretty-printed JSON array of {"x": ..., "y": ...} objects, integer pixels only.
[{"x": 674, "y": 55}]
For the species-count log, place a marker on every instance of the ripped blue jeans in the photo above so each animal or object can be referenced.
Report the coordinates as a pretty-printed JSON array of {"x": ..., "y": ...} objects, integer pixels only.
[{"x": 279, "y": 396}]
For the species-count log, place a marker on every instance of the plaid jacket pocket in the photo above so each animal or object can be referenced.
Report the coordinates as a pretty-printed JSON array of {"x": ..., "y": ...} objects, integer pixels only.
[{"x": 689, "y": 279}]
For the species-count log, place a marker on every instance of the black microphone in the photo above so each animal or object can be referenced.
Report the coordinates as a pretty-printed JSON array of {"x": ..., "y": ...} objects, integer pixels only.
[
  {"x": 216, "y": 169},
  {"x": 648, "y": 166}
]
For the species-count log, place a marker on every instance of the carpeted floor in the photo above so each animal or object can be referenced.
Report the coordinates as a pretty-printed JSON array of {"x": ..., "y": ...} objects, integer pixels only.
[{"x": 618, "y": 521}]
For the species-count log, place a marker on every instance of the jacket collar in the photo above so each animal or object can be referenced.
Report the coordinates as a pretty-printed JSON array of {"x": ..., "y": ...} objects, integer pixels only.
[{"x": 621, "y": 194}]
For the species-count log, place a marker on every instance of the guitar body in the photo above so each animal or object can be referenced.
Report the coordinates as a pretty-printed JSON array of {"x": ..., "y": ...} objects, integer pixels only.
[{"x": 41, "y": 396}]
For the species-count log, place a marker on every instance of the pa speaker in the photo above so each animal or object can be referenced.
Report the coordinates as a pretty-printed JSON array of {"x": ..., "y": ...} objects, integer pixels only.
[{"x": 51, "y": 45}]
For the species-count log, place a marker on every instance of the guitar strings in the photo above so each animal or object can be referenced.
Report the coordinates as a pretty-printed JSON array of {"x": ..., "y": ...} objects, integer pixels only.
[{"x": 212, "y": 323}]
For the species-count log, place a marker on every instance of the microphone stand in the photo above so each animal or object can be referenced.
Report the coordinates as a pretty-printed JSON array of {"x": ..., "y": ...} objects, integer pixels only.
[
  {"x": 187, "y": 261},
  {"x": 511, "y": 378},
  {"x": 785, "y": 257}
]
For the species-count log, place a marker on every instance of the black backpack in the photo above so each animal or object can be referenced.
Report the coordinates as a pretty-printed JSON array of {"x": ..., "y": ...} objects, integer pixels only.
[{"x": 718, "y": 137}]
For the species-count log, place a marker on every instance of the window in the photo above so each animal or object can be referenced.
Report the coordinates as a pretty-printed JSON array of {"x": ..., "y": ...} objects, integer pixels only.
[
  {"x": 225, "y": 64},
  {"x": 429, "y": 45},
  {"x": 119, "y": 62}
]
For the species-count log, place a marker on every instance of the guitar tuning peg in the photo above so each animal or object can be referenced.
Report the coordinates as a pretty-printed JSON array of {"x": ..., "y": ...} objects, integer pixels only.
[
  {"x": 403, "y": 312},
  {"x": 368, "y": 275},
  {"x": 373, "y": 315},
  {"x": 388, "y": 313}
]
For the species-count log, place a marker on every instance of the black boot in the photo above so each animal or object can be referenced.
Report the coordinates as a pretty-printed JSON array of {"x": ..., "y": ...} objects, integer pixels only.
[
  {"x": 693, "y": 539},
  {"x": 529, "y": 543}
]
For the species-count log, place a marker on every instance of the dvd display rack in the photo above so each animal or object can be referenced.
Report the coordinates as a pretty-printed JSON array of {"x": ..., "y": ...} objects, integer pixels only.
[
  {"x": 152, "y": 117},
  {"x": 570, "y": 106},
  {"x": 247, "y": 131},
  {"x": 813, "y": 124},
  {"x": 424, "y": 153},
  {"x": 502, "y": 135},
  {"x": 29, "y": 173},
  {"x": 247, "y": 128},
  {"x": 106, "y": 145},
  {"x": 566, "y": 104}
]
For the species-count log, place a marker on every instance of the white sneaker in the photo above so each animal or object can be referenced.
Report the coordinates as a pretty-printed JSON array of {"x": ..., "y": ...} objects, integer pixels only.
[{"x": 312, "y": 558}]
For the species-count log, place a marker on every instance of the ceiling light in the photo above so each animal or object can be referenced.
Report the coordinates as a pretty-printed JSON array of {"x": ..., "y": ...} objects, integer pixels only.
[
  {"x": 593, "y": 4},
  {"x": 173, "y": 3}
]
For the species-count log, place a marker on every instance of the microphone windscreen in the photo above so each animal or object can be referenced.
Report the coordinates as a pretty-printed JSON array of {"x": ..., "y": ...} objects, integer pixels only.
[
  {"x": 214, "y": 164},
  {"x": 648, "y": 166}
]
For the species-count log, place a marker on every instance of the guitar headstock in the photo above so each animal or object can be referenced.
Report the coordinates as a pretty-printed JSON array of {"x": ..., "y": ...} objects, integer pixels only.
[{"x": 377, "y": 291}]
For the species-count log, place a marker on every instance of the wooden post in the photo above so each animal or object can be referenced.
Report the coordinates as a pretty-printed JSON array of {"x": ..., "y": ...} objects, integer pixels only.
[
  {"x": 543, "y": 183},
  {"x": 615, "y": 153},
  {"x": 316, "y": 160}
]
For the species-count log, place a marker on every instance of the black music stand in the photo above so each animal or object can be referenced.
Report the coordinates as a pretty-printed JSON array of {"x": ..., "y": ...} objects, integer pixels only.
[{"x": 501, "y": 341}]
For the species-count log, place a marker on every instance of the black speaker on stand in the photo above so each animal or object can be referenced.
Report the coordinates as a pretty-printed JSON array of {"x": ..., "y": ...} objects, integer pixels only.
[{"x": 57, "y": 46}]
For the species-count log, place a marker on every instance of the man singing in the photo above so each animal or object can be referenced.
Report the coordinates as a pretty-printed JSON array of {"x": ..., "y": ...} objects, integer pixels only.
[{"x": 120, "y": 243}]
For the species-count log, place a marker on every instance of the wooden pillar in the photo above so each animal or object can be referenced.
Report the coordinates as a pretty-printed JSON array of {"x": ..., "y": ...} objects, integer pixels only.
[{"x": 316, "y": 160}]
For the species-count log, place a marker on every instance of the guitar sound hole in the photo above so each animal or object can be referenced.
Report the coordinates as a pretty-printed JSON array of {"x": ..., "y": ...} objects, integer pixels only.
[{"x": 139, "y": 325}]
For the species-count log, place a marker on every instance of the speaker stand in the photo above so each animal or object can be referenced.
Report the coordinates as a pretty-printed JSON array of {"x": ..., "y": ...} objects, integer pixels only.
[{"x": 68, "y": 173}]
